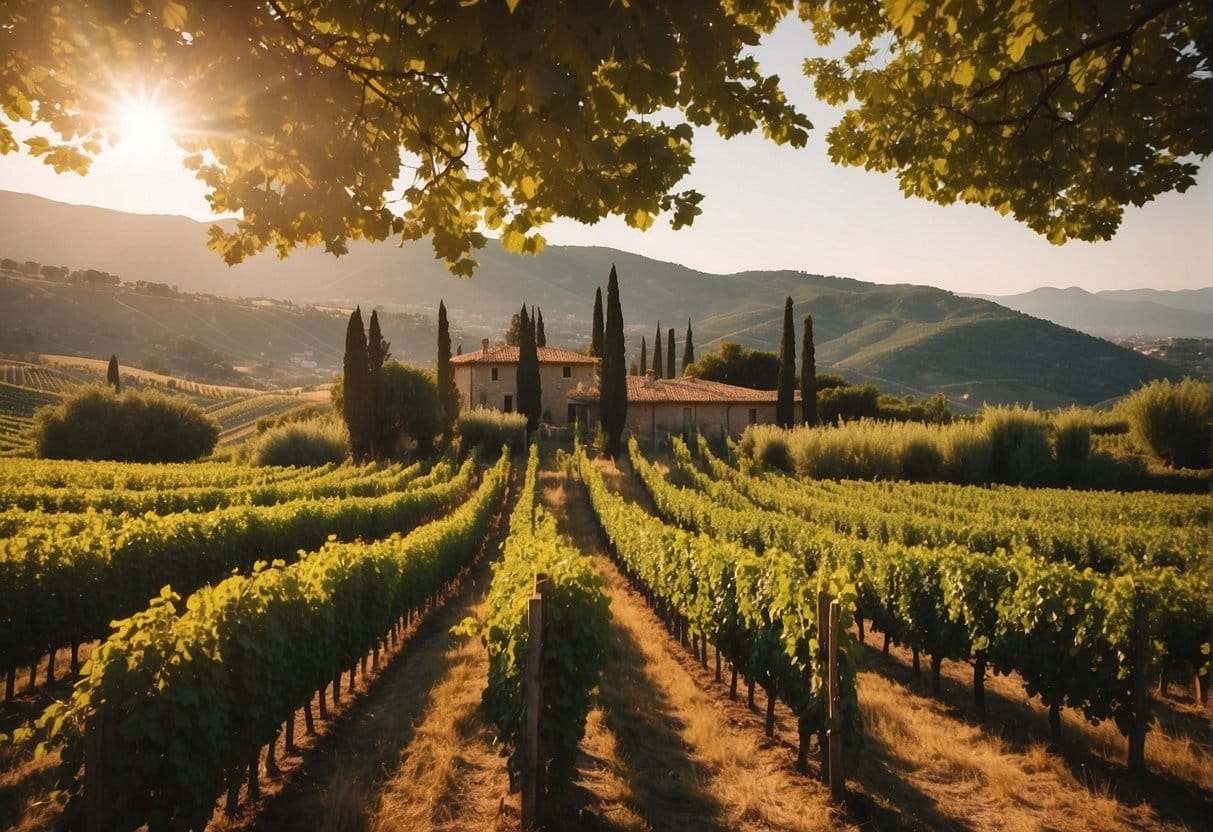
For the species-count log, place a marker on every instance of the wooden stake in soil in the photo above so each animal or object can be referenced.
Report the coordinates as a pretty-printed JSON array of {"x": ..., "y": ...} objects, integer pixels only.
[
  {"x": 532, "y": 755},
  {"x": 835, "y": 707},
  {"x": 96, "y": 741}
]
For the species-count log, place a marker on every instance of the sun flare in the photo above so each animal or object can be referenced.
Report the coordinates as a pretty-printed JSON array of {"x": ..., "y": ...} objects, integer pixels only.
[{"x": 142, "y": 123}]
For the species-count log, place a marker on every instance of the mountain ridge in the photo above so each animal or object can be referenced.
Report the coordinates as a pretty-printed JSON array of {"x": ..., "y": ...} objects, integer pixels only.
[{"x": 903, "y": 334}]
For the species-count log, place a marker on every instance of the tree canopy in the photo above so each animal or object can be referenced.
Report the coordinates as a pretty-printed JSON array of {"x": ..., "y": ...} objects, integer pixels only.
[
  {"x": 329, "y": 121},
  {"x": 499, "y": 114},
  {"x": 1057, "y": 113},
  {"x": 734, "y": 364}
]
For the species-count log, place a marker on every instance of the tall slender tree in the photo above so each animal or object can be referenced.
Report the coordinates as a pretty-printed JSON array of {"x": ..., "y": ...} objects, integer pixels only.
[
  {"x": 808, "y": 374},
  {"x": 541, "y": 338},
  {"x": 596, "y": 330},
  {"x": 688, "y": 349},
  {"x": 355, "y": 384},
  {"x": 644, "y": 357},
  {"x": 448, "y": 393},
  {"x": 658, "y": 362},
  {"x": 377, "y": 351},
  {"x": 530, "y": 397},
  {"x": 669, "y": 354},
  {"x": 785, "y": 400},
  {"x": 111, "y": 375},
  {"x": 613, "y": 390}
]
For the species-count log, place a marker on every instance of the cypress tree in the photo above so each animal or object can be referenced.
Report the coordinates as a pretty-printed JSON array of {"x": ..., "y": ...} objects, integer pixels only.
[
  {"x": 669, "y": 356},
  {"x": 644, "y": 356},
  {"x": 658, "y": 363},
  {"x": 111, "y": 375},
  {"x": 596, "y": 332},
  {"x": 808, "y": 374},
  {"x": 785, "y": 402},
  {"x": 613, "y": 390},
  {"x": 356, "y": 384},
  {"x": 688, "y": 349},
  {"x": 541, "y": 339},
  {"x": 448, "y": 394},
  {"x": 376, "y": 355},
  {"x": 529, "y": 394}
]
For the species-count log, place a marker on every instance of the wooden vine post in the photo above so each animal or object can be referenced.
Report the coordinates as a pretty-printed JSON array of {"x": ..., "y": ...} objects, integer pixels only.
[
  {"x": 532, "y": 758},
  {"x": 829, "y": 631},
  {"x": 834, "y": 706},
  {"x": 98, "y": 738}
]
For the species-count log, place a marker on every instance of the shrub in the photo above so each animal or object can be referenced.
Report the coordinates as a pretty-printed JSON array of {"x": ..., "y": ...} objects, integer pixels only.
[
  {"x": 1019, "y": 444},
  {"x": 1072, "y": 443},
  {"x": 490, "y": 429},
  {"x": 137, "y": 426},
  {"x": 966, "y": 453},
  {"x": 1171, "y": 421},
  {"x": 312, "y": 443}
]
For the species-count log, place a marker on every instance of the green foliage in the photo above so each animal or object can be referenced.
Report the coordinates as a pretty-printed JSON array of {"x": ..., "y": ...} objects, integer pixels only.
[
  {"x": 112, "y": 377},
  {"x": 67, "y": 577},
  {"x": 448, "y": 393},
  {"x": 613, "y": 386},
  {"x": 785, "y": 403},
  {"x": 408, "y": 405},
  {"x": 1056, "y": 113},
  {"x": 505, "y": 125},
  {"x": 195, "y": 690},
  {"x": 491, "y": 429},
  {"x": 1072, "y": 444},
  {"x": 576, "y": 617},
  {"x": 669, "y": 354},
  {"x": 597, "y": 327},
  {"x": 1172, "y": 421},
  {"x": 137, "y": 426},
  {"x": 1050, "y": 584},
  {"x": 352, "y": 398},
  {"x": 1019, "y": 444},
  {"x": 688, "y": 350},
  {"x": 658, "y": 355},
  {"x": 734, "y": 364},
  {"x": 530, "y": 394},
  {"x": 377, "y": 352},
  {"x": 309, "y": 443},
  {"x": 808, "y": 374}
]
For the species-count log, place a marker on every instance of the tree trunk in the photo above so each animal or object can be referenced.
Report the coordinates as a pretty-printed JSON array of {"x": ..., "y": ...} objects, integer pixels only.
[
  {"x": 10, "y": 682},
  {"x": 324, "y": 708},
  {"x": 717, "y": 651},
  {"x": 885, "y": 649},
  {"x": 979, "y": 682},
  {"x": 916, "y": 666},
  {"x": 859, "y": 626},
  {"x": 769, "y": 727},
  {"x": 271, "y": 764},
  {"x": 733, "y": 684},
  {"x": 309, "y": 724},
  {"x": 750, "y": 694},
  {"x": 75, "y": 658},
  {"x": 288, "y": 743},
  {"x": 254, "y": 779},
  {"x": 936, "y": 668},
  {"x": 1055, "y": 725},
  {"x": 50, "y": 666}
]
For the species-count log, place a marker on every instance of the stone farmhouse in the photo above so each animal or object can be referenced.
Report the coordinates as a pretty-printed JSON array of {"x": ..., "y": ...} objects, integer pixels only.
[{"x": 568, "y": 381}]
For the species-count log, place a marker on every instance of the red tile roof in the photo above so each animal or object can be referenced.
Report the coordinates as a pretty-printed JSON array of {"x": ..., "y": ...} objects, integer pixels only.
[
  {"x": 509, "y": 355},
  {"x": 685, "y": 390}
]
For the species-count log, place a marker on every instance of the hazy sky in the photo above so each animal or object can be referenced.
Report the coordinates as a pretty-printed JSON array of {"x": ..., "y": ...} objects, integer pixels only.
[{"x": 768, "y": 207}]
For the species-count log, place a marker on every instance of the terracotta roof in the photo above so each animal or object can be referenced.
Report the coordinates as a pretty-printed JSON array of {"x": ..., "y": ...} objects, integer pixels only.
[
  {"x": 509, "y": 355},
  {"x": 684, "y": 390}
]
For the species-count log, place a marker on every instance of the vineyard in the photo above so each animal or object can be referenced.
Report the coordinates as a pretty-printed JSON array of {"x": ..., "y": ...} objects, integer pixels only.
[
  {"x": 25, "y": 387},
  {"x": 172, "y": 637}
]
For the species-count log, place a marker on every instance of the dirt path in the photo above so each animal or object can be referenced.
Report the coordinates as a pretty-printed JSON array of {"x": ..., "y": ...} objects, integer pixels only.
[{"x": 660, "y": 752}]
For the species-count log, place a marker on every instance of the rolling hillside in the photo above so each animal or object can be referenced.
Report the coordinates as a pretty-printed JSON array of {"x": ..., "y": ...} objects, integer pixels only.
[
  {"x": 1119, "y": 314},
  {"x": 911, "y": 339}
]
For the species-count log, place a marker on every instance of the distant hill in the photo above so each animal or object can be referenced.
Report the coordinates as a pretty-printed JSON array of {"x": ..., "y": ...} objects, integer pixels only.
[
  {"x": 1128, "y": 313},
  {"x": 907, "y": 339}
]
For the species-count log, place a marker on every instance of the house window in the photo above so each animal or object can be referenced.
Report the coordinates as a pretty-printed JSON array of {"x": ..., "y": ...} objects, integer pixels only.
[
  {"x": 493, "y": 373},
  {"x": 753, "y": 415},
  {"x": 567, "y": 372},
  {"x": 686, "y": 416},
  {"x": 509, "y": 404}
]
